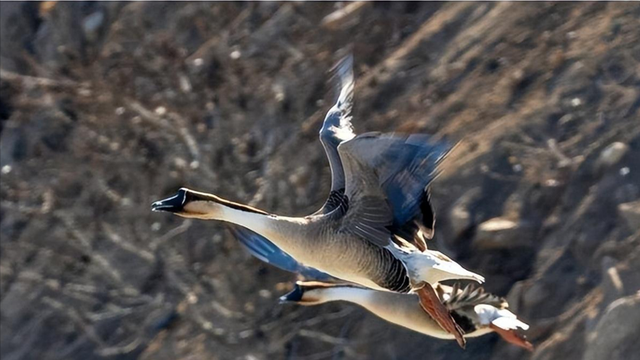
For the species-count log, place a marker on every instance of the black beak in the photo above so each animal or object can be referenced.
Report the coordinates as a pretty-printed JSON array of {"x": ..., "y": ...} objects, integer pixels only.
[
  {"x": 294, "y": 296},
  {"x": 172, "y": 204}
]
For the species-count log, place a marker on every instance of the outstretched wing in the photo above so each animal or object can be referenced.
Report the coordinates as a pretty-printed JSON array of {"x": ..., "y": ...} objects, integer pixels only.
[
  {"x": 337, "y": 128},
  {"x": 387, "y": 176},
  {"x": 265, "y": 250}
]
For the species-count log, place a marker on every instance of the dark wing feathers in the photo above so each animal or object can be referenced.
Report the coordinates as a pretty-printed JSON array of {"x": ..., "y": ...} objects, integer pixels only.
[
  {"x": 369, "y": 214},
  {"x": 266, "y": 251},
  {"x": 428, "y": 215},
  {"x": 471, "y": 296},
  {"x": 394, "y": 171},
  {"x": 414, "y": 166},
  {"x": 371, "y": 221}
]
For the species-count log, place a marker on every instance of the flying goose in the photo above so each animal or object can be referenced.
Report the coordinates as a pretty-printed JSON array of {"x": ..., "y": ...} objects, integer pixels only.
[
  {"x": 336, "y": 128},
  {"x": 360, "y": 239},
  {"x": 477, "y": 311}
]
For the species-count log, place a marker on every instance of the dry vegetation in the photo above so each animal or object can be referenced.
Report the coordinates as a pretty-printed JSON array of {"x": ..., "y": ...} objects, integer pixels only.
[{"x": 106, "y": 107}]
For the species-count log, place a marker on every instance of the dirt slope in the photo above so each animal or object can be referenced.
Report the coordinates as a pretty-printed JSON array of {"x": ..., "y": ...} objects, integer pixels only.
[{"x": 105, "y": 107}]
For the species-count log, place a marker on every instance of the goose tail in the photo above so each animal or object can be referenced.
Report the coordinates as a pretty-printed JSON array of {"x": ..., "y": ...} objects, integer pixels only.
[{"x": 504, "y": 323}]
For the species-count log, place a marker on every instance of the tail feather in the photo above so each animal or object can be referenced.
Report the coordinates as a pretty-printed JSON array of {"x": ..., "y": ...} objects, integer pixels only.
[
  {"x": 507, "y": 323},
  {"x": 504, "y": 323},
  {"x": 501, "y": 318},
  {"x": 513, "y": 337}
]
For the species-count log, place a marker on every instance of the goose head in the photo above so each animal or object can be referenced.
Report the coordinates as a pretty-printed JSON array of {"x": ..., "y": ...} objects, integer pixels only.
[
  {"x": 190, "y": 204},
  {"x": 306, "y": 294},
  {"x": 318, "y": 292},
  {"x": 195, "y": 204}
]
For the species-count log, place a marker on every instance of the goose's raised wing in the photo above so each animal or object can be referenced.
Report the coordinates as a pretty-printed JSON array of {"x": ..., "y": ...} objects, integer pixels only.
[
  {"x": 337, "y": 128},
  {"x": 387, "y": 176},
  {"x": 265, "y": 250}
]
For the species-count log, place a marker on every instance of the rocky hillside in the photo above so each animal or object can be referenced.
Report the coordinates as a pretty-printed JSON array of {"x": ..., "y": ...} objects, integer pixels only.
[{"x": 105, "y": 107}]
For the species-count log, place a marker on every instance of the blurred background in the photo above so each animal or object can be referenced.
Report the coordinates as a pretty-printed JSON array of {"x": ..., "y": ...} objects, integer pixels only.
[{"x": 106, "y": 107}]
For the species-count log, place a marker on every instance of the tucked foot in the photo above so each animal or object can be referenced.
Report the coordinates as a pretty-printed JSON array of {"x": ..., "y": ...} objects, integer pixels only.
[
  {"x": 431, "y": 303},
  {"x": 513, "y": 337}
]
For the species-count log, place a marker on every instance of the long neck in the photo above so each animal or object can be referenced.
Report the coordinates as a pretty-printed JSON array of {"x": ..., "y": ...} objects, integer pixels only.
[
  {"x": 400, "y": 309},
  {"x": 344, "y": 293},
  {"x": 373, "y": 300},
  {"x": 270, "y": 226},
  {"x": 259, "y": 223}
]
